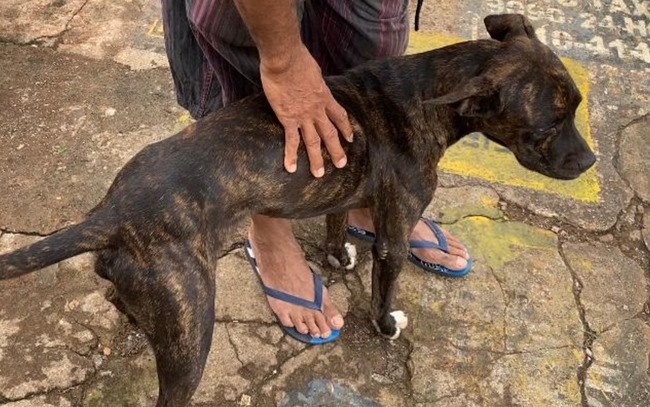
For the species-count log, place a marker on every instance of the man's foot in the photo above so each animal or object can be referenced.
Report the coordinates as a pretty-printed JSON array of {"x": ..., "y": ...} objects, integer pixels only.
[
  {"x": 456, "y": 259},
  {"x": 283, "y": 267}
]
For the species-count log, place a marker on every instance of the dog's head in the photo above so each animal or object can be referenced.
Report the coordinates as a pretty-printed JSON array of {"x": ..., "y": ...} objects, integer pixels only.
[{"x": 525, "y": 100}]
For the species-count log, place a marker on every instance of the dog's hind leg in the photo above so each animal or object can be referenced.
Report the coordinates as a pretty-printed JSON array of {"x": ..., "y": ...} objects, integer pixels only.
[
  {"x": 339, "y": 252},
  {"x": 171, "y": 298}
]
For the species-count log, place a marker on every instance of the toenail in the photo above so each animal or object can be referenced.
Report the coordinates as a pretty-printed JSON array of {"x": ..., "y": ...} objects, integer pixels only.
[
  {"x": 337, "y": 321},
  {"x": 326, "y": 334}
]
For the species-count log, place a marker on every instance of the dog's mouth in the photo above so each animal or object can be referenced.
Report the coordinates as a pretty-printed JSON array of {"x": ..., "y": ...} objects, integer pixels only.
[
  {"x": 533, "y": 160},
  {"x": 539, "y": 166},
  {"x": 566, "y": 170},
  {"x": 495, "y": 139}
]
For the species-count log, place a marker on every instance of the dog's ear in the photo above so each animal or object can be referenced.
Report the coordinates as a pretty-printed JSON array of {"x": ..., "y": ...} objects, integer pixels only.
[
  {"x": 479, "y": 97},
  {"x": 503, "y": 27}
]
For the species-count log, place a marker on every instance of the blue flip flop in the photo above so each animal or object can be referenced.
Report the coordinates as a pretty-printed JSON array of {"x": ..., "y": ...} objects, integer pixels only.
[
  {"x": 291, "y": 299},
  {"x": 369, "y": 236}
]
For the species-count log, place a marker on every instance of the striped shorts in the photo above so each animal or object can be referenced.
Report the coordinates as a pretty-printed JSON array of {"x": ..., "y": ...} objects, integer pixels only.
[{"x": 214, "y": 61}]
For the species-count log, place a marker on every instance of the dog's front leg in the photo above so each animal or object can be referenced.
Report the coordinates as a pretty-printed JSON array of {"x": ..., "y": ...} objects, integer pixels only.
[
  {"x": 339, "y": 252},
  {"x": 393, "y": 226}
]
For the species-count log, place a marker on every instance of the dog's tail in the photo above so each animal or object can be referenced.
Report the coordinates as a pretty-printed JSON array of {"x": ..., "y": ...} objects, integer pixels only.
[{"x": 89, "y": 235}]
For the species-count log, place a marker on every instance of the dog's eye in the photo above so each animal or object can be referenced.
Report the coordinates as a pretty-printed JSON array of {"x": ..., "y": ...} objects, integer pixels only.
[
  {"x": 545, "y": 136},
  {"x": 550, "y": 132},
  {"x": 547, "y": 132}
]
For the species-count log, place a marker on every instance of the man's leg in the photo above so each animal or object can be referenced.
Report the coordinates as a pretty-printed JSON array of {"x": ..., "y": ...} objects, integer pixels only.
[
  {"x": 234, "y": 65},
  {"x": 343, "y": 34}
]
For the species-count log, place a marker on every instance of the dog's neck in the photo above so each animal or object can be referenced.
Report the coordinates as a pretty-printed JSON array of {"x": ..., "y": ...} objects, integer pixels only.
[
  {"x": 443, "y": 70},
  {"x": 404, "y": 83}
]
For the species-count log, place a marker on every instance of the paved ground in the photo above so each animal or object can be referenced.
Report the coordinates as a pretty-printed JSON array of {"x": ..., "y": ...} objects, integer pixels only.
[{"x": 555, "y": 313}]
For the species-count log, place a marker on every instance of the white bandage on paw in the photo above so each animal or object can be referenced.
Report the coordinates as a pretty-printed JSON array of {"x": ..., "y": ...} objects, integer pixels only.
[
  {"x": 352, "y": 255},
  {"x": 401, "y": 320}
]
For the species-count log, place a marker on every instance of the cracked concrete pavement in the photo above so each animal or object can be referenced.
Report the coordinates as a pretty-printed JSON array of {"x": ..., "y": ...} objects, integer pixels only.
[{"x": 556, "y": 311}]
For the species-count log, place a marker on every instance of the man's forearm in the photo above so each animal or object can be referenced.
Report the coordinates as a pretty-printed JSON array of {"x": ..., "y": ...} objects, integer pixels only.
[{"x": 273, "y": 24}]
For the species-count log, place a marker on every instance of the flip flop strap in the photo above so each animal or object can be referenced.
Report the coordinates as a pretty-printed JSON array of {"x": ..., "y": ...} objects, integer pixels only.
[
  {"x": 292, "y": 299},
  {"x": 282, "y": 296},
  {"x": 423, "y": 244}
]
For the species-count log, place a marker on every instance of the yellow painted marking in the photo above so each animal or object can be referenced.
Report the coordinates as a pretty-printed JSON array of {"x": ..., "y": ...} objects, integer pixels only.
[
  {"x": 476, "y": 156},
  {"x": 184, "y": 118},
  {"x": 498, "y": 243},
  {"x": 156, "y": 29}
]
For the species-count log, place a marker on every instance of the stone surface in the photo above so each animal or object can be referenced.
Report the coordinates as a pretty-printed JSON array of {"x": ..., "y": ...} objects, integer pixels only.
[
  {"x": 128, "y": 32},
  {"x": 125, "y": 382},
  {"x": 239, "y": 296},
  {"x": 646, "y": 230},
  {"x": 65, "y": 318},
  {"x": 512, "y": 315},
  {"x": 619, "y": 374},
  {"x": 614, "y": 287},
  {"x": 60, "y": 159},
  {"x": 455, "y": 377},
  {"x": 634, "y": 157},
  {"x": 41, "y": 401},
  {"x": 319, "y": 359},
  {"x": 451, "y": 204},
  {"x": 599, "y": 216},
  {"x": 221, "y": 381},
  {"x": 24, "y": 21}
]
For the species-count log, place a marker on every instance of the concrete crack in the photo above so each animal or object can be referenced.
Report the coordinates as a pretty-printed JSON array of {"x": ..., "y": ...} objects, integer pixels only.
[
  {"x": 57, "y": 37},
  {"x": 46, "y": 392},
  {"x": 89, "y": 329},
  {"x": 278, "y": 367},
  {"x": 616, "y": 159},
  {"x": 501, "y": 354},
  {"x": 589, "y": 335},
  {"x": 234, "y": 347},
  {"x": 506, "y": 304},
  {"x": 234, "y": 247}
]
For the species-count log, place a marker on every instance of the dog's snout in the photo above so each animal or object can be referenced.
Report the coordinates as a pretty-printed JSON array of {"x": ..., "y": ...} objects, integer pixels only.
[{"x": 586, "y": 161}]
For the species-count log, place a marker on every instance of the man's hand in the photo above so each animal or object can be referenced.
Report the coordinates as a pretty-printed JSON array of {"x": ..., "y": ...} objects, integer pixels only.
[
  {"x": 294, "y": 85},
  {"x": 304, "y": 105}
]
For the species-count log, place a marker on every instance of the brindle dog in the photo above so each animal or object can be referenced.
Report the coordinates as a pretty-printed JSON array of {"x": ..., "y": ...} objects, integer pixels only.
[{"x": 159, "y": 228}]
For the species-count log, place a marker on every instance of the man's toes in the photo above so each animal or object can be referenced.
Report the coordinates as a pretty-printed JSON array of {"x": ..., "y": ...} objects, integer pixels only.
[
  {"x": 458, "y": 250},
  {"x": 439, "y": 257},
  {"x": 455, "y": 245},
  {"x": 323, "y": 327},
  {"x": 332, "y": 315},
  {"x": 314, "y": 331},
  {"x": 285, "y": 320},
  {"x": 455, "y": 262},
  {"x": 300, "y": 325}
]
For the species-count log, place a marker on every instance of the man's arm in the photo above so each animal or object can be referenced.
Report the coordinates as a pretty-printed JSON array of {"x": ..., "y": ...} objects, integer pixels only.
[{"x": 294, "y": 85}]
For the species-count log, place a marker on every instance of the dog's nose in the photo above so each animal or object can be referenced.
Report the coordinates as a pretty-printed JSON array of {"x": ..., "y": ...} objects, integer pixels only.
[{"x": 586, "y": 161}]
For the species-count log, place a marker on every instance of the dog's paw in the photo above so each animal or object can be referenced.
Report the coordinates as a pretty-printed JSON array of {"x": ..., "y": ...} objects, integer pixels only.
[
  {"x": 352, "y": 255},
  {"x": 400, "y": 321},
  {"x": 333, "y": 261},
  {"x": 350, "y": 258}
]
